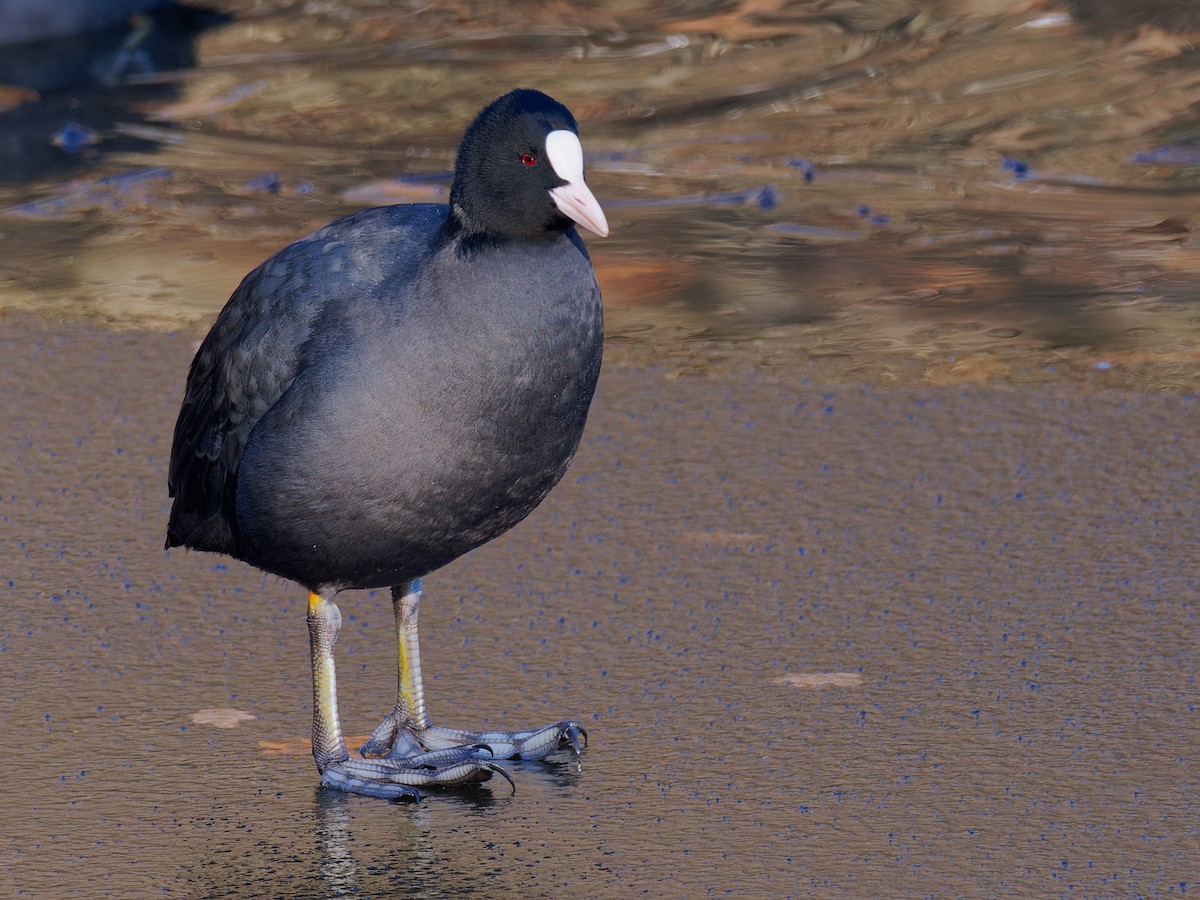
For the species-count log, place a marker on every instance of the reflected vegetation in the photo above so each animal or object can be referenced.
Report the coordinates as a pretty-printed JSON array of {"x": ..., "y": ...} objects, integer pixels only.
[{"x": 970, "y": 189}]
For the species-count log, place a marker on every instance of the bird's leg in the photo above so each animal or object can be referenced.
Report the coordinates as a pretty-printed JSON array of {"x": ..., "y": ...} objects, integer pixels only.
[
  {"x": 396, "y": 735},
  {"x": 392, "y": 778},
  {"x": 406, "y": 731}
]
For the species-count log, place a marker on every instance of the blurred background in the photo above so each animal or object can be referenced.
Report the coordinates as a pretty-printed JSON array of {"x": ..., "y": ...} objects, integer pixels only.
[{"x": 943, "y": 191}]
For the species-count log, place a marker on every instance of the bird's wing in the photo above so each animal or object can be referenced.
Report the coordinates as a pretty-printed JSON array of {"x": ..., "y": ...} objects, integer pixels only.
[
  {"x": 249, "y": 359},
  {"x": 262, "y": 341}
]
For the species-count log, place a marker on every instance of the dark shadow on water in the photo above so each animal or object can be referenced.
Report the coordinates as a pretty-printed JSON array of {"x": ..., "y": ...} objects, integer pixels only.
[
  {"x": 77, "y": 88},
  {"x": 560, "y": 774},
  {"x": 471, "y": 796},
  {"x": 1122, "y": 16}
]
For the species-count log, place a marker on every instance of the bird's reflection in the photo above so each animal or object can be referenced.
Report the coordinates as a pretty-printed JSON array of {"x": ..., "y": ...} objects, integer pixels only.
[
  {"x": 338, "y": 869},
  {"x": 414, "y": 854}
]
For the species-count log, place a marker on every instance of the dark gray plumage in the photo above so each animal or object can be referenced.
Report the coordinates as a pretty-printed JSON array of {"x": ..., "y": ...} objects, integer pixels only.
[{"x": 403, "y": 385}]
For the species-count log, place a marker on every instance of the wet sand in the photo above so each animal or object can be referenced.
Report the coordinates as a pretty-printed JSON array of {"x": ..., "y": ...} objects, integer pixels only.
[{"x": 1010, "y": 572}]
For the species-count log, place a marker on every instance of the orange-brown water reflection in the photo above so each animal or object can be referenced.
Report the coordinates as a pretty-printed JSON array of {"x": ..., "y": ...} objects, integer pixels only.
[{"x": 987, "y": 189}]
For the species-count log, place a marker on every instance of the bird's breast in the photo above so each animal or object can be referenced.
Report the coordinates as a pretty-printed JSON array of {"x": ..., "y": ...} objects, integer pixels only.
[{"x": 446, "y": 425}]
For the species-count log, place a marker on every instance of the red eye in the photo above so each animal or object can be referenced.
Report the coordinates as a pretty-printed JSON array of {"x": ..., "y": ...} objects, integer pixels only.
[{"x": 529, "y": 159}]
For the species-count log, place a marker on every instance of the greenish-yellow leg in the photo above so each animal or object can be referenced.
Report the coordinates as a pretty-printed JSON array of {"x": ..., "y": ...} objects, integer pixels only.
[
  {"x": 405, "y": 732},
  {"x": 396, "y": 778}
]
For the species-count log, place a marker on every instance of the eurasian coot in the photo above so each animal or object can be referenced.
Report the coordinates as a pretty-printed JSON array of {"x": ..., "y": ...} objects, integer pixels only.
[{"x": 392, "y": 391}]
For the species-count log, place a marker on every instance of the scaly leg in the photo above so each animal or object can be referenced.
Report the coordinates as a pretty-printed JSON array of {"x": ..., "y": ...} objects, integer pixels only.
[
  {"x": 406, "y": 731},
  {"x": 391, "y": 778}
]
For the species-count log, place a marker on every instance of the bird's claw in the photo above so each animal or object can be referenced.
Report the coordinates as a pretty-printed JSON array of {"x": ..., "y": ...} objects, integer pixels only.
[
  {"x": 571, "y": 735},
  {"x": 500, "y": 770}
]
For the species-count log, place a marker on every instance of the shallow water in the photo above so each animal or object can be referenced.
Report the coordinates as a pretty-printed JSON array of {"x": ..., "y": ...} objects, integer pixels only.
[{"x": 875, "y": 575}]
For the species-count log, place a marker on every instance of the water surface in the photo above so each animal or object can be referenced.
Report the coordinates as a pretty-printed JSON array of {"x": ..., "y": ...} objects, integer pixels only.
[{"x": 875, "y": 575}]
